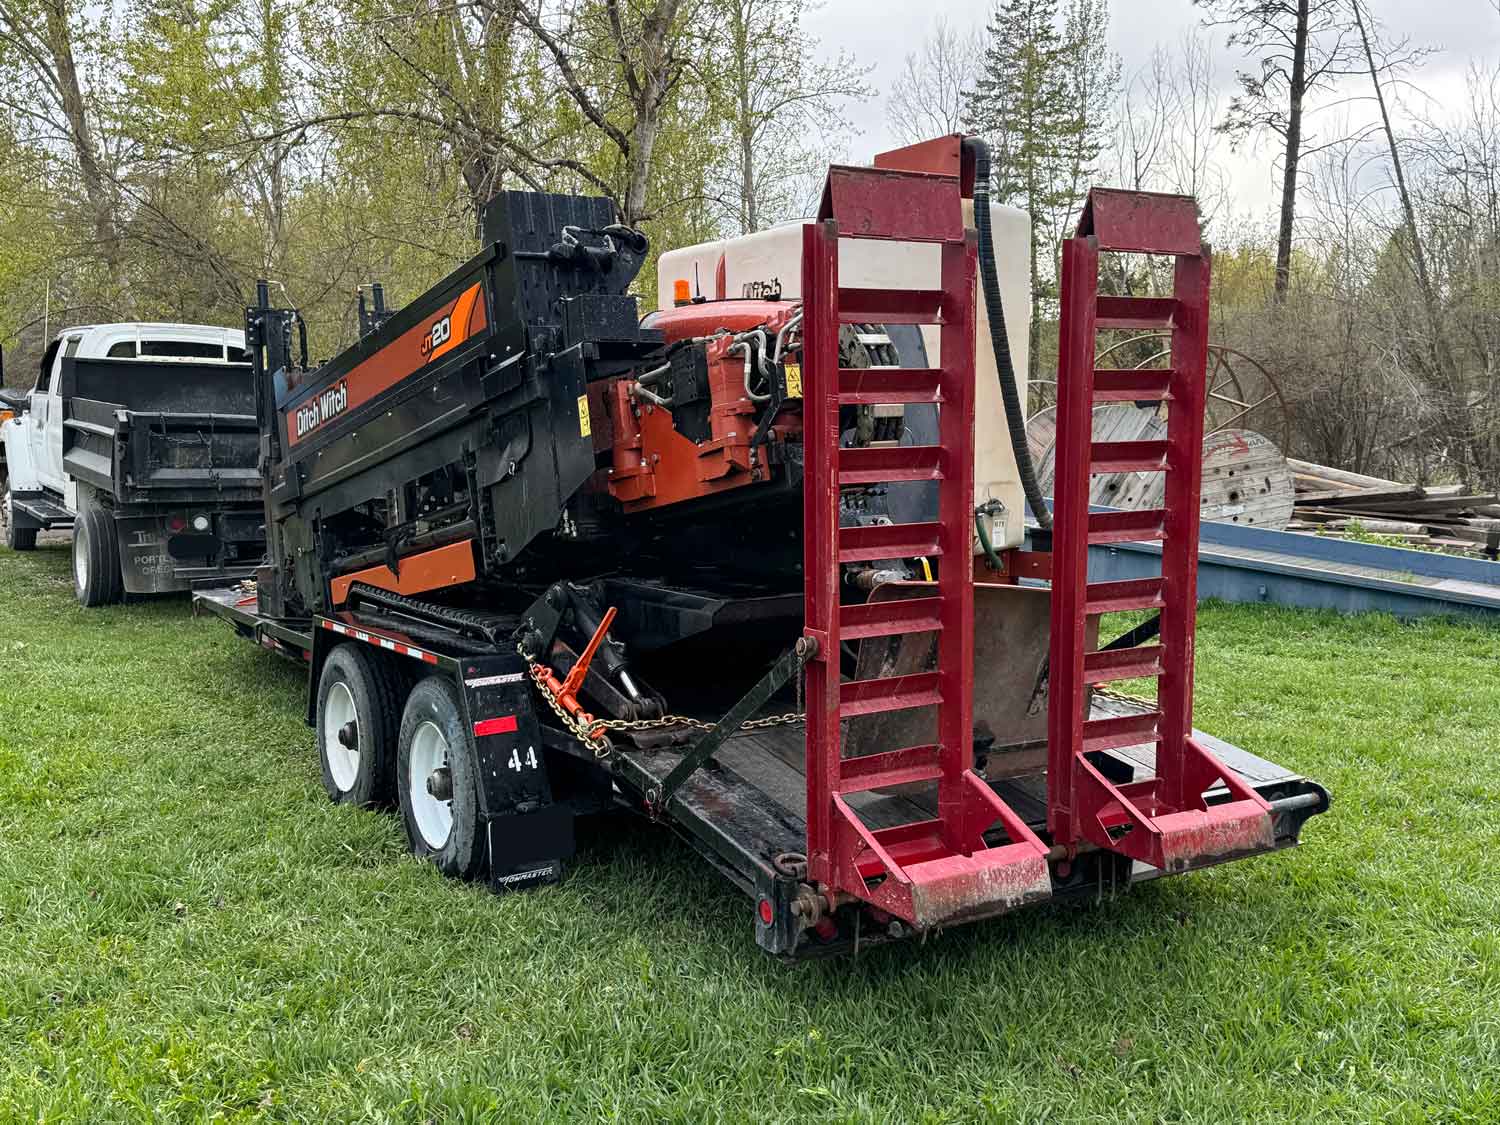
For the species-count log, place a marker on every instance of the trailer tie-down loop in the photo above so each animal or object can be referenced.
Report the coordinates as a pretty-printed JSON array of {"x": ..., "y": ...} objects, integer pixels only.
[{"x": 787, "y": 665}]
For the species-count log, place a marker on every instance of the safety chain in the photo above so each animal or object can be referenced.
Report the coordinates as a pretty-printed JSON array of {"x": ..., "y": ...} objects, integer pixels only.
[
  {"x": 781, "y": 720},
  {"x": 593, "y": 737},
  {"x": 598, "y": 744}
]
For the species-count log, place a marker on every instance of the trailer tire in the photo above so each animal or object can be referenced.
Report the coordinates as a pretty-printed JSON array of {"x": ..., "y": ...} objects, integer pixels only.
[
  {"x": 433, "y": 737},
  {"x": 96, "y": 559},
  {"x": 17, "y": 538},
  {"x": 362, "y": 688}
]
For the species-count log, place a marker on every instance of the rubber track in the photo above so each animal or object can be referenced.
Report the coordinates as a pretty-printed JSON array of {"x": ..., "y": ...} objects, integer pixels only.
[{"x": 479, "y": 626}]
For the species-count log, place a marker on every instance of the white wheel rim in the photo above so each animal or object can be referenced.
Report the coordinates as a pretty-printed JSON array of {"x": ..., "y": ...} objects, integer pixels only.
[
  {"x": 429, "y": 752},
  {"x": 338, "y": 712},
  {"x": 81, "y": 558}
]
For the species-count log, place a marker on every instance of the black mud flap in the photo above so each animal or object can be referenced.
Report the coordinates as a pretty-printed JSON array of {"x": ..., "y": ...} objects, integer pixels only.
[
  {"x": 528, "y": 849},
  {"x": 528, "y": 834},
  {"x": 146, "y": 565}
]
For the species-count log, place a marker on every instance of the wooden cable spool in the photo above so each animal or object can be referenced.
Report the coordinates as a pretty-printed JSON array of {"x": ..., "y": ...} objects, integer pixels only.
[{"x": 1245, "y": 477}]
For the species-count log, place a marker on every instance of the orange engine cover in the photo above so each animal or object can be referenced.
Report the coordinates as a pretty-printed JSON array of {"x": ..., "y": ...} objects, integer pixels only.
[
  {"x": 654, "y": 463},
  {"x": 708, "y": 317}
]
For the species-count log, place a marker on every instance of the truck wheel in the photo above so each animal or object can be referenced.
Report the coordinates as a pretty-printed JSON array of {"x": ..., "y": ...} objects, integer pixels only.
[
  {"x": 436, "y": 781},
  {"x": 358, "y": 697},
  {"x": 17, "y": 538},
  {"x": 96, "y": 559}
]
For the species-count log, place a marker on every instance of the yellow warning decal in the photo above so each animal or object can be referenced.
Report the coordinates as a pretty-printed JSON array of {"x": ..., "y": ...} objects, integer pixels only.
[
  {"x": 794, "y": 380},
  {"x": 585, "y": 429}
]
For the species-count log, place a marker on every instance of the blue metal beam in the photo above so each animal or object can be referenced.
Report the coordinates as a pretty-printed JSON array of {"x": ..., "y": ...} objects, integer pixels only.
[{"x": 1245, "y": 564}]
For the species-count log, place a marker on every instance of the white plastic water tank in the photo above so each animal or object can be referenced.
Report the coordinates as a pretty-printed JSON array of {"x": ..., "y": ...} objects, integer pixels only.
[{"x": 769, "y": 262}]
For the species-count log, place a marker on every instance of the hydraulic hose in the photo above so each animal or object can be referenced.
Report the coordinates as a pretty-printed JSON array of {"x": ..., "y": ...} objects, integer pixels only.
[{"x": 999, "y": 338}]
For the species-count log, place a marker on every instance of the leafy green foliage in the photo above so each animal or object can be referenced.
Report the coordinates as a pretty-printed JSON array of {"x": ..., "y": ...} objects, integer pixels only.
[{"x": 325, "y": 144}]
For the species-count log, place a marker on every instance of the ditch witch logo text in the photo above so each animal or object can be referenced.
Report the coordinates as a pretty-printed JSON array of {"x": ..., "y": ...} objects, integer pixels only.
[{"x": 328, "y": 405}]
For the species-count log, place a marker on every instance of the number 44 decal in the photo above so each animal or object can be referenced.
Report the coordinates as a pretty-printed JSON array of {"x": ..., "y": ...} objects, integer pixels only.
[{"x": 519, "y": 763}]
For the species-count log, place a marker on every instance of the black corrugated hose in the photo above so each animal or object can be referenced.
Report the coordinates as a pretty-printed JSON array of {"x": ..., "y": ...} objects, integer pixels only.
[{"x": 999, "y": 338}]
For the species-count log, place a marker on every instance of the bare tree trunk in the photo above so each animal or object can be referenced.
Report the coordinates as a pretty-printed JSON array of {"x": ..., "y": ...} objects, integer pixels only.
[
  {"x": 1443, "y": 363},
  {"x": 85, "y": 146},
  {"x": 659, "y": 71},
  {"x": 1419, "y": 258},
  {"x": 647, "y": 87},
  {"x": 1293, "y": 155}
]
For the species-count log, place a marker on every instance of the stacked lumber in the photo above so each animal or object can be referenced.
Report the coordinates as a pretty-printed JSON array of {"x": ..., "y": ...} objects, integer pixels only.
[{"x": 1443, "y": 517}]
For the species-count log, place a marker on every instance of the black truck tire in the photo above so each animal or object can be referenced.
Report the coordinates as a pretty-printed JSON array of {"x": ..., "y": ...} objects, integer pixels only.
[
  {"x": 361, "y": 688},
  {"x": 96, "y": 559},
  {"x": 18, "y": 538},
  {"x": 434, "y": 741}
]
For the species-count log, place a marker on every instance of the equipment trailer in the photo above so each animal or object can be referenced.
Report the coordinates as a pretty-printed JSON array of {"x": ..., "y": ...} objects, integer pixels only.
[{"x": 511, "y": 501}]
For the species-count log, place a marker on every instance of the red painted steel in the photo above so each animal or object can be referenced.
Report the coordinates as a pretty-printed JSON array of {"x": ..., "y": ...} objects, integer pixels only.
[
  {"x": 1162, "y": 820},
  {"x": 944, "y": 156},
  {"x": 941, "y": 869},
  {"x": 893, "y": 205},
  {"x": 820, "y": 542},
  {"x": 1143, "y": 222}
]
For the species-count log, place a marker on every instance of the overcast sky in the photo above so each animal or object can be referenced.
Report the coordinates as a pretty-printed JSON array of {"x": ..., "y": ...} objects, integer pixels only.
[{"x": 883, "y": 32}]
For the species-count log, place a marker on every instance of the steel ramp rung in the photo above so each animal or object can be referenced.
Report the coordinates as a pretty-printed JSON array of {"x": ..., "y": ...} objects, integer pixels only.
[
  {"x": 1122, "y": 664},
  {"x": 878, "y": 386},
  {"x": 890, "y": 619},
  {"x": 1128, "y": 457},
  {"x": 883, "y": 464},
  {"x": 1120, "y": 597},
  {"x": 1121, "y": 731},
  {"x": 893, "y": 767},
  {"x": 890, "y": 541},
  {"x": 1127, "y": 527},
  {"x": 890, "y": 306},
  {"x": 890, "y": 693},
  {"x": 1137, "y": 314},
  {"x": 1132, "y": 386}
]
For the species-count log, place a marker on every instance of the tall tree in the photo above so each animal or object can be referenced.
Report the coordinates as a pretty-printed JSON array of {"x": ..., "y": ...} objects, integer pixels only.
[
  {"x": 1026, "y": 103},
  {"x": 1093, "y": 80},
  {"x": 620, "y": 68},
  {"x": 43, "y": 88},
  {"x": 1164, "y": 133},
  {"x": 778, "y": 98},
  {"x": 928, "y": 98},
  {"x": 1302, "y": 46}
]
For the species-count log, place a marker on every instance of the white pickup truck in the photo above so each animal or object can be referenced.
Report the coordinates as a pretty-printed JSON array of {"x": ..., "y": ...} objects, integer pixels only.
[{"x": 143, "y": 439}]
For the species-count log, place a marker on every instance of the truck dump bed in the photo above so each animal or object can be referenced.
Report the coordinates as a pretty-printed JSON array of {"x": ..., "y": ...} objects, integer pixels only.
[{"x": 161, "y": 432}]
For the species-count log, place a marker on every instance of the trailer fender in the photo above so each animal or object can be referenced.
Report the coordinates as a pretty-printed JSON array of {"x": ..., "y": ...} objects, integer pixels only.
[
  {"x": 322, "y": 644},
  {"x": 529, "y": 834}
]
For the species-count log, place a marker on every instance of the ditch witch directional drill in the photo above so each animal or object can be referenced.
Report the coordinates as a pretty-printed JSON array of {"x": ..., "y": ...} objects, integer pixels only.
[{"x": 757, "y": 564}]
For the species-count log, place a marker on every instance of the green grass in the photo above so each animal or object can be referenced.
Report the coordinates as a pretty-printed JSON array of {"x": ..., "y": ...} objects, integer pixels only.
[{"x": 189, "y": 930}]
